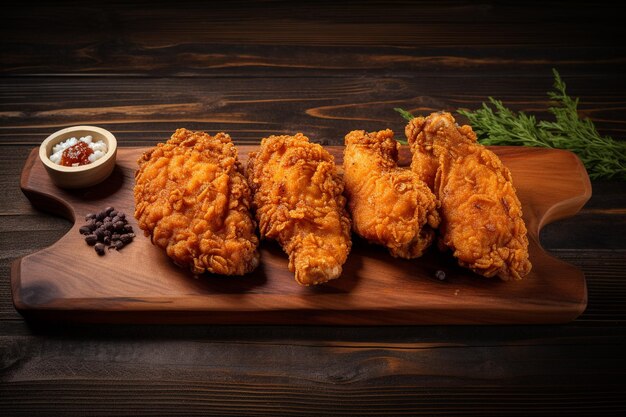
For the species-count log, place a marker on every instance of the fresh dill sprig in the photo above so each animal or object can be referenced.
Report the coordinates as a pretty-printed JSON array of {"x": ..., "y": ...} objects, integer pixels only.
[
  {"x": 408, "y": 116},
  {"x": 603, "y": 156}
]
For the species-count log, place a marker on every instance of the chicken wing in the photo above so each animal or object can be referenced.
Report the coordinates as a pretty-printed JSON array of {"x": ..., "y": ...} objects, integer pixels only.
[
  {"x": 192, "y": 198},
  {"x": 299, "y": 202},
  {"x": 481, "y": 215},
  {"x": 390, "y": 206}
]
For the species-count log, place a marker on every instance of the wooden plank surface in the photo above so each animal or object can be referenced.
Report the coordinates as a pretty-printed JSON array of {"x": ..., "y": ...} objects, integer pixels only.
[
  {"x": 146, "y": 110},
  {"x": 145, "y": 68},
  {"x": 68, "y": 281}
]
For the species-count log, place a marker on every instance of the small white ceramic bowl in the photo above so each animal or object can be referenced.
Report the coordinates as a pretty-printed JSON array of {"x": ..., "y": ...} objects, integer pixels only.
[{"x": 84, "y": 175}]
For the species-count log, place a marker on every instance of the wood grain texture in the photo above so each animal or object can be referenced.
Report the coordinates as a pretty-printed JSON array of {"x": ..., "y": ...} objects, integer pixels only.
[
  {"x": 174, "y": 376},
  {"x": 280, "y": 38},
  {"x": 144, "y": 111},
  {"x": 142, "y": 69},
  {"x": 139, "y": 284}
]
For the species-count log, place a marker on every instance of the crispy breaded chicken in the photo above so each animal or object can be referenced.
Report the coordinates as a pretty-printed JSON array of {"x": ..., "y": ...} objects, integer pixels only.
[
  {"x": 192, "y": 198},
  {"x": 390, "y": 206},
  {"x": 481, "y": 215},
  {"x": 298, "y": 201}
]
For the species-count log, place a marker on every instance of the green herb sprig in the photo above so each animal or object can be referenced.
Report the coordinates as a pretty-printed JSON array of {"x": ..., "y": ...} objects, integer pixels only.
[
  {"x": 603, "y": 156},
  {"x": 408, "y": 116}
]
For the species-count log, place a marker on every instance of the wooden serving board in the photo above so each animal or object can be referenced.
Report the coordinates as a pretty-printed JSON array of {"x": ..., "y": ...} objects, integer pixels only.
[{"x": 68, "y": 281}]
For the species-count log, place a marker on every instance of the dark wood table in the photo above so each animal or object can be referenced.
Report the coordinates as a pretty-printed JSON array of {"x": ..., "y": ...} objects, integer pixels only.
[{"x": 253, "y": 69}]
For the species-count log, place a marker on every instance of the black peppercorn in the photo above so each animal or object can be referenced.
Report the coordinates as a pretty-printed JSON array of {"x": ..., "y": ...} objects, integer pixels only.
[
  {"x": 108, "y": 227},
  {"x": 126, "y": 238},
  {"x": 91, "y": 240},
  {"x": 99, "y": 247}
]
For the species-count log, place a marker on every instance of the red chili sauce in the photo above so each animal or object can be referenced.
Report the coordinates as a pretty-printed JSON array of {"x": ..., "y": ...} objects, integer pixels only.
[{"x": 76, "y": 154}]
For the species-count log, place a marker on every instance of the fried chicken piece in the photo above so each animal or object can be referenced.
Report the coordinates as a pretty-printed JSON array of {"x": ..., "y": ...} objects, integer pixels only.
[
  {"x": 299, "y": 202},
  {"x": 193, "y": 199},
  {"x": 423, "y": 161},
  {"x": 390, "y": 206},
  {"x": 481, "y": 215}
]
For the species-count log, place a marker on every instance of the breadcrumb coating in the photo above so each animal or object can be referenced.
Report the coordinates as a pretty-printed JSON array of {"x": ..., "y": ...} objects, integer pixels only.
[
  {"x": 192, "y": 198},
  {"x": 390, "y": 206},
  {"x": 299, "y": 203},
  {"x": 481, "y": 215}
]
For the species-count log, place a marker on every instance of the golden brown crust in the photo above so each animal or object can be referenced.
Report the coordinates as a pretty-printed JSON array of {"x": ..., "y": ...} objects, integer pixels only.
[
  {"x": 298, "y": 201},
  {"x": 193, "y": 200},
  {"x": 390, "y": 206},
  {"x": 423, "y": 162},
  {"x": 481, "y": 215}
]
